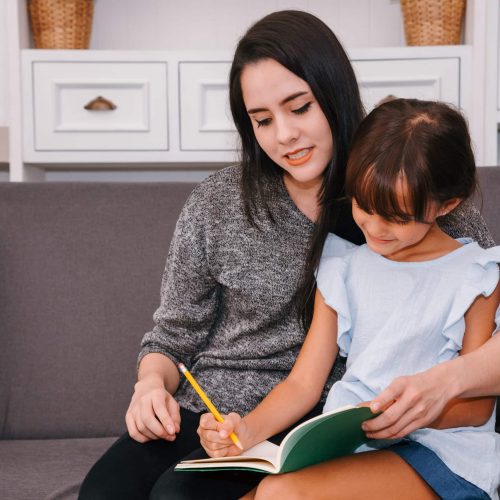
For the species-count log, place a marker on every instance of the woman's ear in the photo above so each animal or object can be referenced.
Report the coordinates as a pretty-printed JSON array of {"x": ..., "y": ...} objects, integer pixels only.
[{"x": 449, "y": 205}]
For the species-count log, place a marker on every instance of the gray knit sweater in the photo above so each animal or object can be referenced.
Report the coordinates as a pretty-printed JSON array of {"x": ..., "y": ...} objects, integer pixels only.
[{"x": 227, "y": 293}]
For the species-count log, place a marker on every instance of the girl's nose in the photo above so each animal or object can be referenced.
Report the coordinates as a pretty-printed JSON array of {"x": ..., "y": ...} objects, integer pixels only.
[{"x": 376, "y": 225}]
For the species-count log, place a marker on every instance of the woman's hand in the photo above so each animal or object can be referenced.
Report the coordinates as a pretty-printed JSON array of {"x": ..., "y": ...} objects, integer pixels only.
[
  {"x": 153, "y": 412},
  {"x": 409, "y": 403},
  {"x": 214, "y": 436}
]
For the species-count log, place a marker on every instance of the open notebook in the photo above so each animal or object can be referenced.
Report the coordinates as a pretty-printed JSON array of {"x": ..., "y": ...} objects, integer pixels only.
[{"x": 330, "y": 435}]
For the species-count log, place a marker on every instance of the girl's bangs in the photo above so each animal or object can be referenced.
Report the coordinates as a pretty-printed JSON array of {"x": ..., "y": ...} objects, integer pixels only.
[
  {"x": 376, "y": 193},
  {"x": 390, "y": 191}
]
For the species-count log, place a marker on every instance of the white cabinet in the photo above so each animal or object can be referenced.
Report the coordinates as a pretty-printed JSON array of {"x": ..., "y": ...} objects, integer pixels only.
[
  {"x": 172, "y": 107},
  {"x": 421, "y": 78},
  {"x": 99, "y": 106}
]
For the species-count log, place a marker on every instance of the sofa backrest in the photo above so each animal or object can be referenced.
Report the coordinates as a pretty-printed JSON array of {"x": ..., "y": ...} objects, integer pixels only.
[
  {"x": 80, "y": 274},
  {"x": 488, "y": 199}
]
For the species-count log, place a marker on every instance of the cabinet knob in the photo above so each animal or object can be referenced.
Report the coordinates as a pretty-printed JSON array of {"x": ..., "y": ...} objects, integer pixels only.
[{"x": 100, "y": 104}]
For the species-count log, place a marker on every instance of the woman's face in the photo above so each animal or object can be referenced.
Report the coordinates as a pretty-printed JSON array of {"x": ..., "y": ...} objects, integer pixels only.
[{"x": 288, "y": 122}]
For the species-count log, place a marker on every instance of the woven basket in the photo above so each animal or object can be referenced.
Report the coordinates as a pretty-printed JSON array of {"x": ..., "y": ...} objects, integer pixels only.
[
  {"x": 433, "y": 22},
  {"x": 61, "y": 24}
]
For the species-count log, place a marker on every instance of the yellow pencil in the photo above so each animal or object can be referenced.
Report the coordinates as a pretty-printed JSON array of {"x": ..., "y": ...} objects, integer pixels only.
[{"x": 208, "y": 403}]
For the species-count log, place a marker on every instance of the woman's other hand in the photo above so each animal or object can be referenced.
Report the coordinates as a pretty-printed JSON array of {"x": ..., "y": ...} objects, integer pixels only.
[
  {"x": 214, "y": 436},
  {"x": 409, "y": 403},
  {"x": 153, "y": 412}
]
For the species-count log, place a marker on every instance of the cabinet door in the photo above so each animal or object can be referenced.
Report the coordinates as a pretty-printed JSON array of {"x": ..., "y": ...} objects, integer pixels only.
[
  {"x": 205, "y": 118},
  {"x": 100, "y": 106},
  {"x": 430, "y": 79}
]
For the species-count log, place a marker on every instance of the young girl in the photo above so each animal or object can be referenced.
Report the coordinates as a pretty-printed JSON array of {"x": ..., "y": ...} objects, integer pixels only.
[{"x": 410, "y": 298}]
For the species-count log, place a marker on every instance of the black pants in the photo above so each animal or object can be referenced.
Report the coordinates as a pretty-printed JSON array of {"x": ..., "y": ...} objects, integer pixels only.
[{"x": 135, "y": 471}]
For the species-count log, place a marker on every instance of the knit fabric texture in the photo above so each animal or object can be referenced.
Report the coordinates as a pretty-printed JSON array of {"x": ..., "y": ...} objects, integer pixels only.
[{"x": 227, "y": 297}]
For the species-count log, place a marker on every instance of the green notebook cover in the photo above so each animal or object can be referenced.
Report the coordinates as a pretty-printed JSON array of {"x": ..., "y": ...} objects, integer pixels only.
[{"x": 330, "y": 435}]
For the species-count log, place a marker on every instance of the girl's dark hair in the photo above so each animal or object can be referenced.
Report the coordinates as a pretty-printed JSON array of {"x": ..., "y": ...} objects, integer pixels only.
[
  {"x": 307, "y": 47},
  {"x": 424, "y": 143}
]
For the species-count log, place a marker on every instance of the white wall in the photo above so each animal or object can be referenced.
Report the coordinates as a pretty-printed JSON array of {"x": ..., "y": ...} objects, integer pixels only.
[
  {"x": 3, "y": 65},
  {"x": 218, "y": 24},
  {"x": 4, "y": 79}
]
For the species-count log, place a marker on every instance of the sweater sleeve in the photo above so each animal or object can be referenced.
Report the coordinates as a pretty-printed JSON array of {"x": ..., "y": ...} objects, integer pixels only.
[
  {"x": 189, "y": 293},
  {"x": 466, "y": 222}
]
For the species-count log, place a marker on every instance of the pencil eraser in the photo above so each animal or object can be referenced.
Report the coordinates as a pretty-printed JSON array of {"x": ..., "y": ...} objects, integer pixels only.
[{"x": 182, "y": 368}]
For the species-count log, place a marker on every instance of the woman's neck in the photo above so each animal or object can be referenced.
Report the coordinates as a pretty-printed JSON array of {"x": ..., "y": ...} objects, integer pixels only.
[{"x": 304, "y": 195}]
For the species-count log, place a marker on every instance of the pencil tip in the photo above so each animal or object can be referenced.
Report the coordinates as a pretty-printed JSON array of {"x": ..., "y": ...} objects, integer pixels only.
[{"x": 239, "y": 445}]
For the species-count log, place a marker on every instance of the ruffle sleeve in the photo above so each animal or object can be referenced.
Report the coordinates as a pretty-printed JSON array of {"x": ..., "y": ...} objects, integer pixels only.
[
  {"x": 331, "y": 282},
  {"x": 335, "y": 246},
  {"x": 481, "y": 279}
]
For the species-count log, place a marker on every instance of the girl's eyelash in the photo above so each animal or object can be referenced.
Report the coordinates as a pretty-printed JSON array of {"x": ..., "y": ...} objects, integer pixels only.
[{"x": 302, "y": 109}]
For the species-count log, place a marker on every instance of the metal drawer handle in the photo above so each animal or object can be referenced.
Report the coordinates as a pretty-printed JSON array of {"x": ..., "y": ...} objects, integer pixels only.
[{"x": 100, "y": 104}]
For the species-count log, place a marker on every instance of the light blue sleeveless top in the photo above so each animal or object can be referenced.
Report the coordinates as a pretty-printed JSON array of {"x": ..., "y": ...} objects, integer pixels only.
[{"x": 400, "y": 318}]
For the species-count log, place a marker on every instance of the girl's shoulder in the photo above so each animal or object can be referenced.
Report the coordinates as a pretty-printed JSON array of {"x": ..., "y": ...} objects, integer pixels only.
[
  {"x": 480, "y": 267},
  {"x": 472, "y": 255},
  {"x": 335, "y": 258},
  {"x": 338, "y": 247}
]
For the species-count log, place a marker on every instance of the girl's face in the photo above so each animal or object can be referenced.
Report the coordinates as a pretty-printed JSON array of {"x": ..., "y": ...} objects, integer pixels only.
[
  {"x": 400, "y": 240},
  {"x": 288, "y": 122},
  {"x": 394, "y": 240}
]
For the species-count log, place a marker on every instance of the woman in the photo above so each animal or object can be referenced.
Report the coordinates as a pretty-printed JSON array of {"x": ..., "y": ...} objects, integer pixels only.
[{"x": 236, "y": 279}]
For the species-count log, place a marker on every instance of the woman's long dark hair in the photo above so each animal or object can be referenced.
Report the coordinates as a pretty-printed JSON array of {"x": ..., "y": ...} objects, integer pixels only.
[{"x": 307, "y": 47}]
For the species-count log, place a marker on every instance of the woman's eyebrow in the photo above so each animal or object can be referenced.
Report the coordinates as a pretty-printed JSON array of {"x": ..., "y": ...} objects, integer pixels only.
[{"x": 284, "y": 101}]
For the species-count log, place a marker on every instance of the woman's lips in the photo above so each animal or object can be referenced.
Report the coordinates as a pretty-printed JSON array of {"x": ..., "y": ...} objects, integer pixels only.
[{"x": 299, "y": 157}]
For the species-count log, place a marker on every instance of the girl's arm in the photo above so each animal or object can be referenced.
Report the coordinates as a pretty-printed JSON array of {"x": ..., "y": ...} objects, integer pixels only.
[
  {"x": 429, "y": 399},
  {"x": 289, "y": 400},
  {"x": 479, "y": 325}
]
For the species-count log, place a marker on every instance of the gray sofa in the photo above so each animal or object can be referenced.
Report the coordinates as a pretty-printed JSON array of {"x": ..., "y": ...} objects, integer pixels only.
[{"x": 80, "y": 272}]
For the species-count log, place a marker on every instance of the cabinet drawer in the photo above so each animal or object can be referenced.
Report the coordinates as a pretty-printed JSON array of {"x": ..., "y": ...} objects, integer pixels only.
[
  {"x": 206, "y": 122},
  {"x": 137, "y": 91},
  {"x": 430, "y": 79}
]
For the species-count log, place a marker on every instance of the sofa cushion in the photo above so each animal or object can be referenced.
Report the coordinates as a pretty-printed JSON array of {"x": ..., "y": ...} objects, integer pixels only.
[
  {"x": 52, "y": 469},
  {"x": 80, "y": 273}
]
